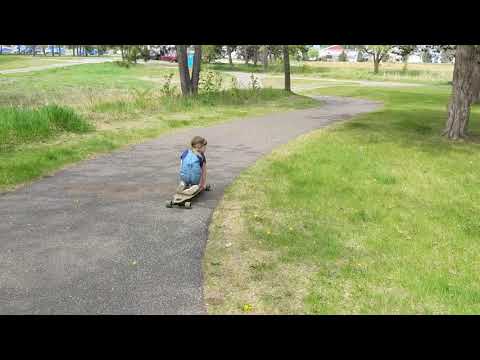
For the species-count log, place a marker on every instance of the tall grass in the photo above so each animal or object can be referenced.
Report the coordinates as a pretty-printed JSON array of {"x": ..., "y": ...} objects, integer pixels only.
[
  {"x": 425, "y": 73},
  {"x": 25, "y": 125}
]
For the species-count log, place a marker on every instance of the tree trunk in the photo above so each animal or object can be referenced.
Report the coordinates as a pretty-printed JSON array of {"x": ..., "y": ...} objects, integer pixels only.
[
  {"x": 229, "y": 50},
  {"x": 376, "y": 63},
  {"x": 185, "y": 82},
  {"x": 43, "y": 50},
  {"x": 476, "y": 82},
  {"x": 197, "y": 61},
  {"x": 255, "y": 56},
  {"x": 466, "y": 61},
  {"x": 286, "y": 66},
  {"x": 265, "y": 58},
  {"x": 123, "y": 52},
  {"x": 34, "y": 50}
]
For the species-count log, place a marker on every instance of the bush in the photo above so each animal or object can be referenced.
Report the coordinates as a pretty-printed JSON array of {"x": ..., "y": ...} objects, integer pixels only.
[
  {"x": 342, "y": 57},
  {"x": 313, "y": 53},
  {"x": 167, "y": 88},
  {"x": 210, "y": 81},
  {"x": 124, "y": 64},
  {"x": 18, "y": 125}
]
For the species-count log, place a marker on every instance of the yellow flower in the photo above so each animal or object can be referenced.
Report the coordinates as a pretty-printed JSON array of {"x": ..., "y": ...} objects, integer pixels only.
[{"x": 247, "y": 308}]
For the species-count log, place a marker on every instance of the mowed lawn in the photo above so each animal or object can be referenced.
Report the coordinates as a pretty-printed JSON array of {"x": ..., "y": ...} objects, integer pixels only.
[
  {"x": 377, "y": 215},
  {"x": 8, "y": 62},
  {"x": 58, "y": 116}
]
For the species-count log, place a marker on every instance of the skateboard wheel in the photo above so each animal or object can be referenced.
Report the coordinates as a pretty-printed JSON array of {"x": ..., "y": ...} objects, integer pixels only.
[
  {"x": 208, "y": 187},
  {"x": 188, "y": 205},
  {"x": 169, "y": 204}
]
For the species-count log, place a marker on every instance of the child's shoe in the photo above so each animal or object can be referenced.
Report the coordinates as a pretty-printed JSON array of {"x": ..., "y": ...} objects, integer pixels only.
[
  {"x": 191, "y": 190},
  {"x": 181, "y": 187}
]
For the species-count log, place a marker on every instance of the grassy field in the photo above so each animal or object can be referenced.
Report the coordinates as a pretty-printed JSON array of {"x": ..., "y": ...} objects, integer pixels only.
[
  {"x": 41, "y": 114},
  {"x": 8, "y": 62},
  {"x": 378, "y": 215},
  {"x": 421, "y": 73}
]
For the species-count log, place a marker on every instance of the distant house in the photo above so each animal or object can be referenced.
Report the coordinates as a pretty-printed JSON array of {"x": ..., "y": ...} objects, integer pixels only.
[{"x": 332, "y": 52}]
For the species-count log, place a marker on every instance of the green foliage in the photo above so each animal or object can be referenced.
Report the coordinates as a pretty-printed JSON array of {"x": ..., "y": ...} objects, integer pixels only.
[
  {"x": 23, "y": 125},
  {"x": 210, "y": 81},
  {"x": 426, "y": 56},
  {"x": 211, "y": 53},
  {"x": 313, "y": 53},
  {"x": 122, "y": 63},
  {"x": 167, "y": 88}
]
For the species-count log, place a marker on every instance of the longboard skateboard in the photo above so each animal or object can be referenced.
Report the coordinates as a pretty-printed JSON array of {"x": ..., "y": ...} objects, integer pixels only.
[{"x": 184, "y": 200}]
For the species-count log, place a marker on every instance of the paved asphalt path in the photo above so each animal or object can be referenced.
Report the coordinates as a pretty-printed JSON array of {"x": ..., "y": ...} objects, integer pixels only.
[{"x": 96, "y": 238}]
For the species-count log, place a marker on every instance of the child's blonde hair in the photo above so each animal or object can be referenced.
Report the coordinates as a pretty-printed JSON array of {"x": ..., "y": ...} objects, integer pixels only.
[{"x": 198, "y": 140}]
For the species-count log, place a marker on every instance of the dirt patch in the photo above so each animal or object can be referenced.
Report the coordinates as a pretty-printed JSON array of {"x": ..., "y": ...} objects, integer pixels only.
[{"x": 243, "y": 276}]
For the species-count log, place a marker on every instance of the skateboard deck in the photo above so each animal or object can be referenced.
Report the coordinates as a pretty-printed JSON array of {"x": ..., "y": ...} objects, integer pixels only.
[{"x": 184, "y": 199}]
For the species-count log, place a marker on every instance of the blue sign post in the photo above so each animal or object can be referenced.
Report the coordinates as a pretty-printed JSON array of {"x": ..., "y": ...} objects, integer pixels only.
[{"x": 190, "y": 61}]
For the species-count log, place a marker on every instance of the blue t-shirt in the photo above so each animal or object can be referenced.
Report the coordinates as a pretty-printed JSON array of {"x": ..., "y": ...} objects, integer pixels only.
[{"x": 201, "y": 157}]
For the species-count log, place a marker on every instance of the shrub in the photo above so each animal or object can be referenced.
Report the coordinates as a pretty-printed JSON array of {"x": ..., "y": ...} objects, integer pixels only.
[
  {"x": 342, "y": 57},
  {"x": 167, "y": 88},
  {"x": 210, "y": 81}
]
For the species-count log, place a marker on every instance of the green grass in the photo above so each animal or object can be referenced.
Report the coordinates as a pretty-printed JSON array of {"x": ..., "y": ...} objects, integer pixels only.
[
  {"x": 8, "y": 62},
  {"x": 20, "y": 125},
  {"x": 119, "y": 124},
  {"x": 377, "y": 215},
  {"x": 421, "y": 73},
  {"x": 78, "y": 85}
]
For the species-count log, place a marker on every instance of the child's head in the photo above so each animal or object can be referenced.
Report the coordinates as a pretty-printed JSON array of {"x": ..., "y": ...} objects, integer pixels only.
[{"x": 199, "y": 144}]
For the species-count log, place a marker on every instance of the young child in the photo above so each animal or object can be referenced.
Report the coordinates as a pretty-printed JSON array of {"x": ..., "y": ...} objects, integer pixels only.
[{"x": 193, "y": 167}]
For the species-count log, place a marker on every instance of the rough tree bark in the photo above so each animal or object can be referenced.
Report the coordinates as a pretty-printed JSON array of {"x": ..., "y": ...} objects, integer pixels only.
[
  {"x": 463, "y": 88},
  {"x": 376, "y": 63},
  {"x": 197, "y": 61},
  {"x": 265, "y": 58},
  {"x": 286, "y": 66},
  {"x": 185, "y": 82},
  {"x": 229, "y": 50},
  {"x": 255, "y": 55},
  {"x": 476, "y": 82}
]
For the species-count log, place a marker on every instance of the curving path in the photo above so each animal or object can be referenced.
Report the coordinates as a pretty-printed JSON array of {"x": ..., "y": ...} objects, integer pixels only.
[{"x": 96, "y": 238}]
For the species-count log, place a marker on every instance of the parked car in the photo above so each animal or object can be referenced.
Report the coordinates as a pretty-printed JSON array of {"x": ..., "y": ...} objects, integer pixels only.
[
  {"x": 154, "y": 55},
  {"x": 56, "y": 50},
  {"x": 90, "y": 52},
  {"x": 28, "y": 50},
  {"x": 6, "y": 50},
  {"x": 169, "y": 58}
]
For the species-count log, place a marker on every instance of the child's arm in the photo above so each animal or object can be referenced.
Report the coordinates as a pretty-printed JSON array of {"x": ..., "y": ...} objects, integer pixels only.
[{"x": 203, "y": 179}]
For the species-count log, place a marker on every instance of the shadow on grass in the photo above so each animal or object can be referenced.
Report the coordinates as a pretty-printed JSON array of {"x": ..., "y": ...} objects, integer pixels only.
[{"x": 415, "y": 129}]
